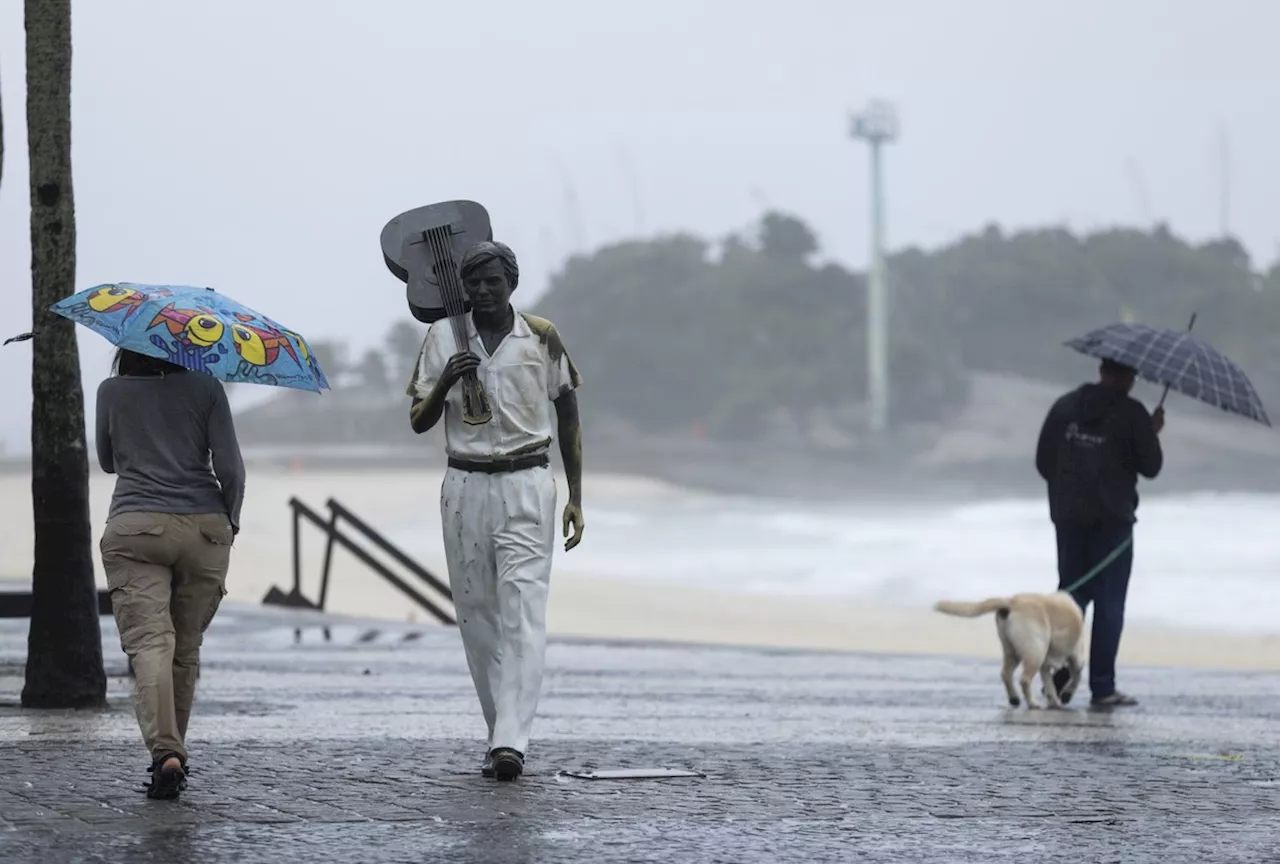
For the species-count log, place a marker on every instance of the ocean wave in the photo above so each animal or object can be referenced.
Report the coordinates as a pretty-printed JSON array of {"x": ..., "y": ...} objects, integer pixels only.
[{"x": 1206, "y": 560}]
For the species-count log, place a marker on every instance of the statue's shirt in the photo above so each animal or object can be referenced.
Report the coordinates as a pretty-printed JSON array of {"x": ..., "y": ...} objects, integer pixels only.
[{"x": 528, "y": 371}]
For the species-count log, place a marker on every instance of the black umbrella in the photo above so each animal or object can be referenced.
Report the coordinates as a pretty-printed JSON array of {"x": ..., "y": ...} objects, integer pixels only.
[{"x": 1177, "y": 360}]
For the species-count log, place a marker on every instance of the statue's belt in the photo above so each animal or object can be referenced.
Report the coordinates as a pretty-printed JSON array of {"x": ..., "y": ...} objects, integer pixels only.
[{"x": 501, "y": 464}]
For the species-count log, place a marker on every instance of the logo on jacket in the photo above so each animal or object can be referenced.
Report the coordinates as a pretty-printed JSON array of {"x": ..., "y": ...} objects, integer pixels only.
[{"x": 1075, "y": 436}]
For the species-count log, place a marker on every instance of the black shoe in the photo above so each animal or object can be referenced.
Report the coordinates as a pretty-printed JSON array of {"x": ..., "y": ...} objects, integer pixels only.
[
  {"x": 486, "y": 767},
  {"x": 508, "y": 764},
  {"x": 1114, "y": 699},
  {"x": 167, "y": 782}
]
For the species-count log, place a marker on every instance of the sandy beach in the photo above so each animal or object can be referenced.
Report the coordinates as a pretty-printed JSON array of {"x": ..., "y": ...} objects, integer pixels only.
[{"x": 594, "y": 604}]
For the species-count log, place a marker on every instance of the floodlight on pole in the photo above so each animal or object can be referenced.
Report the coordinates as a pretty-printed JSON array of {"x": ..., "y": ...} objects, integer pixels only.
[{"x": 877, "y": 125}]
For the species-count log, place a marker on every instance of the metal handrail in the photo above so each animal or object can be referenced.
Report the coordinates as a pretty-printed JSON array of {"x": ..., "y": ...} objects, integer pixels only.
[
  {"x": 335, "y": 535},
  {"x": 386, "y": 546}
]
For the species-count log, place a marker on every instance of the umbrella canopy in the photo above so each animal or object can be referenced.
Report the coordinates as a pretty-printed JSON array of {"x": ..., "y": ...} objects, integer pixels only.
[
  {"x": 199, "y": 329},
  {"x": 1179, "y": 361}
]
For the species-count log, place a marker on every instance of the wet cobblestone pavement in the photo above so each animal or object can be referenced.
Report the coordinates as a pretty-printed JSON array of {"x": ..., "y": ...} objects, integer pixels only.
[{"x": 368, "y": 751}]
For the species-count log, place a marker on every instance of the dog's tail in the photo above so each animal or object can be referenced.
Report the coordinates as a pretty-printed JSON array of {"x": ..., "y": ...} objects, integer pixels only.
[{"x": 973, "y": 610}]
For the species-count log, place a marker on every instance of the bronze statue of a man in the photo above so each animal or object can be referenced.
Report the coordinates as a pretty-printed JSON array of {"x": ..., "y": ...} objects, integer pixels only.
[{"x": 498, "y": 499}]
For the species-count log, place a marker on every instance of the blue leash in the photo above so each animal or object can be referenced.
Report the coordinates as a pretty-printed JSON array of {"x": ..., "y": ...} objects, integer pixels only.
[{"x": 1101, "y": 565}]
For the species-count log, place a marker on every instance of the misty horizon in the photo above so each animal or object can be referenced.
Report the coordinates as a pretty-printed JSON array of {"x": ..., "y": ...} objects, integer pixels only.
[{"x": 261, "y": 152}]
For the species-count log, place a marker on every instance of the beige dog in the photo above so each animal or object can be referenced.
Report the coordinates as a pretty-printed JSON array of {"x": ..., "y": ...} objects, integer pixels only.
[{"x": 1040, "y": 631}]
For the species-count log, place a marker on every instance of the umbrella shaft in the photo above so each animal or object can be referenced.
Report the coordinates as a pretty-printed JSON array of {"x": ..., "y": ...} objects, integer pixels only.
[{"x": 1165, "y": 394}]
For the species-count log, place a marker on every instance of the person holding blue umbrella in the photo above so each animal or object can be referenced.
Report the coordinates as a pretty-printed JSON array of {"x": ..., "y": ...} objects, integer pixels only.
[
  {"x": 164, "y": 428},
  {"x": 167, "y": 434}
]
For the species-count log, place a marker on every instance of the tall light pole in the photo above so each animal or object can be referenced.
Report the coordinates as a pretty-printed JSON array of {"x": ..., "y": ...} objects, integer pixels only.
[{"x": 877, "y": 125}]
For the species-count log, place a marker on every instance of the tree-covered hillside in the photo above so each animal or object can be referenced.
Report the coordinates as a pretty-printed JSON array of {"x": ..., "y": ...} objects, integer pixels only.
[{"x": 680, "y": 333}]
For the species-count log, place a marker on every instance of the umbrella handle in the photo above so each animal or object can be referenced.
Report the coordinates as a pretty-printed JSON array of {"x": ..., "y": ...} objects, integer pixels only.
[{"x": 1166, "y": 387}]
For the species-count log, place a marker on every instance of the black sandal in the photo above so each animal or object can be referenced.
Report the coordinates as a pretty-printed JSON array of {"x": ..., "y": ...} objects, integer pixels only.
[{"x": 508, "y": 764}]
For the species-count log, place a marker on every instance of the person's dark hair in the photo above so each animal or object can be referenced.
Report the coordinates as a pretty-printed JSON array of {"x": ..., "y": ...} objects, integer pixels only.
[
  {"x": 132, "y": 363},
  {"x": 1111, "y": 367}
]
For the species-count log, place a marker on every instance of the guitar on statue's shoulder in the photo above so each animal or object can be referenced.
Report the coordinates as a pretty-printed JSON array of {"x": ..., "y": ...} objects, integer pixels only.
[{"x": 421, "y": 247}]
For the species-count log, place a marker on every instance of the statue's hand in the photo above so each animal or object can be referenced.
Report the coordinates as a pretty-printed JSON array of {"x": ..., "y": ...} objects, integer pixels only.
[
  {"x": 572, "y": 518},
  {"x": 458, "y": 365}
]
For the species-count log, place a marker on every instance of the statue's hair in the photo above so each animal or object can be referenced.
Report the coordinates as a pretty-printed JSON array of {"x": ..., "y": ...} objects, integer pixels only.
[{"x": 484, "y": 252}]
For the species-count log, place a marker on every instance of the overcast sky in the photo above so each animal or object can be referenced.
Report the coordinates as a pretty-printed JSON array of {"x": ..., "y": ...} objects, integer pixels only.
[{"x": 259, "y": 147}]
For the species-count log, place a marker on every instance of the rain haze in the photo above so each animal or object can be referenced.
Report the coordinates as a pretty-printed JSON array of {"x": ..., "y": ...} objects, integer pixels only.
[
  {"x": 875, "y": 366},
  {"x": 259, "y": 148},
  {"x": 249, "y": 147}
]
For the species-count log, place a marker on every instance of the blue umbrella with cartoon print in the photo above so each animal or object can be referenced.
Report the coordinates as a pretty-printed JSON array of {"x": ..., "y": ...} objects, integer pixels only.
[{"x": 199, "y": 329}]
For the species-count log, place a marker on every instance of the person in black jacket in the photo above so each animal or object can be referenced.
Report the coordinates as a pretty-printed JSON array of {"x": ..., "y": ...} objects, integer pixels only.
[{"x": 1095, "y": 442}]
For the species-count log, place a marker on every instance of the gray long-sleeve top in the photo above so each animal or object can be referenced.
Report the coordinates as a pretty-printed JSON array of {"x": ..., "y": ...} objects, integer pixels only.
[{"x": 170, "y": 441}]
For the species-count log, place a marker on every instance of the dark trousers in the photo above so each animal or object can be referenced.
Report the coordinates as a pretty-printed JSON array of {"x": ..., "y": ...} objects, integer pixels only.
[{"x": 1080, "y": 549}]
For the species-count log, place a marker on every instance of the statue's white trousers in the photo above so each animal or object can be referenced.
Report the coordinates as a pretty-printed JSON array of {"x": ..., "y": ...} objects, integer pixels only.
[{"x": 499, "y": 531}]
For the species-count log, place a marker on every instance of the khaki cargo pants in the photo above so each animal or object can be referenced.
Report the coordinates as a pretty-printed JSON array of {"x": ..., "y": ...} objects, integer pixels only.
[{"x": 166, "y": 574}]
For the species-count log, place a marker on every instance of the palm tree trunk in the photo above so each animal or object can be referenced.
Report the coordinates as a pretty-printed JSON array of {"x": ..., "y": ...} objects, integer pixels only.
[{"x": 64, "y": 645}]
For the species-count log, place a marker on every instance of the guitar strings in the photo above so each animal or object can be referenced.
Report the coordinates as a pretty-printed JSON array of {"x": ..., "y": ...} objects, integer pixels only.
[
  {"x": 451, "y": 294},
  {"x": 450, "y": 287}
]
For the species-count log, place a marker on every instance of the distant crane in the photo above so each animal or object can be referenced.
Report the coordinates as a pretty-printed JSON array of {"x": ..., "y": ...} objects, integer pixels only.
[
  {"x": 628, "y": 166},
  {"x": 572, "y": 211},
  {"x": 1139, "y": 192},
  {"x": 1224, "y": 189}
]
